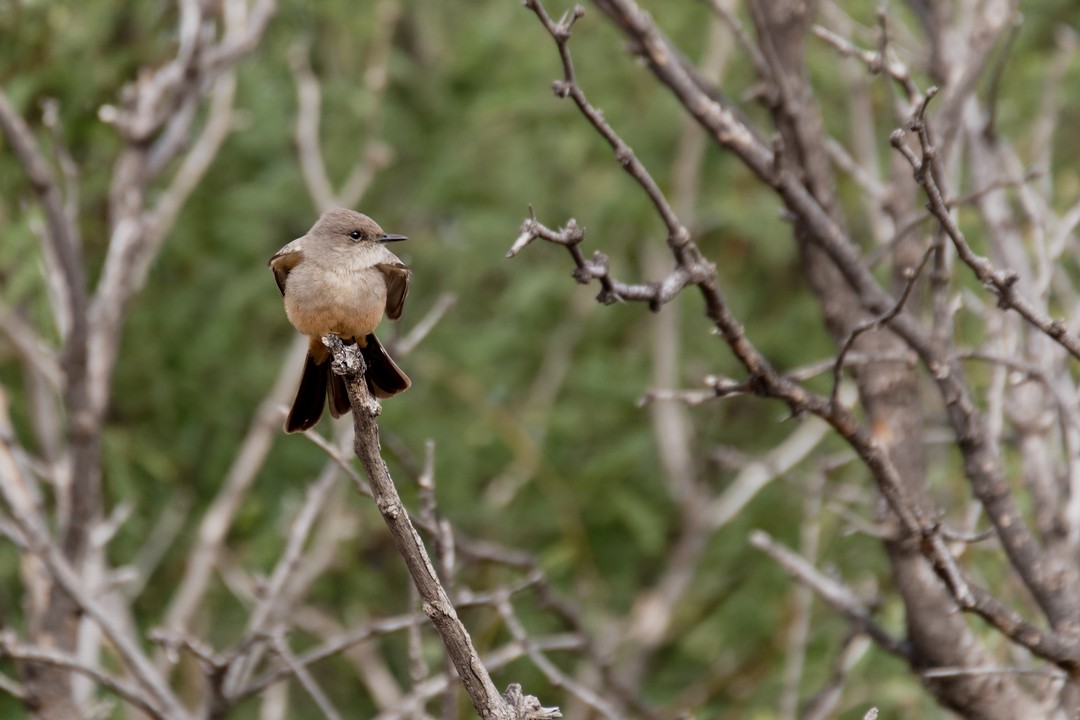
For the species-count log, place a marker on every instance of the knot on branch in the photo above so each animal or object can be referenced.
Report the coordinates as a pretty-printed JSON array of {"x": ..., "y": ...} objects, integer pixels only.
[
  {"x": 777, "y": 159},
  {"x": 596, "y": 268},
  {"x": 657, "y": 300},
  {"x": 525, "y": 236},
  {"x": 561, "y": 30},
  {"x": 531, "y": 229},
  {"x": 561, "y": 88},
  {"x": 527, "y": 707},
  {"x": 572, "y": 233},
  {"x": 759, "y": 386},
  {"x": 608, "y": 296},
  {"x": 680, "y": 238},
  {"x": 1003, "y": 284},
  {"x": 348, "y": 362},
  {"x": 725, "y": 387},
  {"x": 1007, "y": 278},
  {"x": 570, "y": 18},
  {"x": 701, "y": 272}
]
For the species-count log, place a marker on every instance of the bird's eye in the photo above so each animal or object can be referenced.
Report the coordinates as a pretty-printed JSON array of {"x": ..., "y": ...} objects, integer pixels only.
[{"x": 355, "y": 235}]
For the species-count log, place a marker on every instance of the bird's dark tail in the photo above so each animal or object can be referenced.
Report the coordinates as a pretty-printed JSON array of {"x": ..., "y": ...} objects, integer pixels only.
[
  {"x": 311, "y": 396},
  {"x": 384, "y": 377},
  {"x": 338, "y": 395}
]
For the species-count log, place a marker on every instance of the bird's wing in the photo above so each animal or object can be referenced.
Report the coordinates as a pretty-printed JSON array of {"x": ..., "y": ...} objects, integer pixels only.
[
  {"x": 397, "y": 287},
  {"x": 285, "y": 260}
]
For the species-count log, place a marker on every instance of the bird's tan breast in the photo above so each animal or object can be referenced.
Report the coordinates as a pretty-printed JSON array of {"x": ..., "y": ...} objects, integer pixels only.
[{"x": 337, "y": 296}]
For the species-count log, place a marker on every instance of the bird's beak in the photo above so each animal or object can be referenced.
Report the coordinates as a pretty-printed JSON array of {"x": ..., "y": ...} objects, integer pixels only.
[{"x": 390, "y": 238}]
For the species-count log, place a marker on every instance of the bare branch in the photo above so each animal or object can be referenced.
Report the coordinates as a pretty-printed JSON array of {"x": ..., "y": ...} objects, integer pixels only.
[
  {"x": 61, "y": 236},
  {"x": 328, "y": 649},
  {"x": 69, "y": 582},
  {"x": 442, "y": 305},
  {"x": 823, "y": 704},
  {"x": 878, "y": 322},
  {"x": 798, "y": 633},
  {"x": 137, "y": 696},
  {"x": 982, "y": 466},
  {"x": 678, "y": 236},
  {"x": 727, "y": 15},
  {"x": 494, "y": 660},
  {"x": 202, "y": 558},
  {"x": 556, "y": 676},
  {"x": 33, "y": 350},
  {"x": 840, "y": 597},
  {"x": 374, "y": 155},
  {"x": 436, "y": 603},
  {"x": 875, "y": 62},
  {"x": 759, "y": 472},
  {"x": 277, "y": 642},
  {"x": 273, "y": 604},
  {"x": 1001, "y": 282}
]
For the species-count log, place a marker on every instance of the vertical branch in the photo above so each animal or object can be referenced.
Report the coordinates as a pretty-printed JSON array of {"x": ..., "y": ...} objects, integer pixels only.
[
  {"x": 55, "y": 617},
  {"x": 436, "y": 603},
  {"x": 374, "y": 156},
  {"x": 61, "y": 248},
  {"x": 202, "y": 559},
  {"x": 154, "y": 125},
  {"x": 444, "y": 556},
  {"x": 799, "y": 631},
  {"x": 273, "y": 604}
]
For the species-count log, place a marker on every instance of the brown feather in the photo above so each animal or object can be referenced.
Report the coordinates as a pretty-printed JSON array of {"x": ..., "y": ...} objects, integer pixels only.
[
  {"x": 310, "y": 399},
  {"x": 384, "y": 377},
  {"x": 281, "y": 264},
  {"x": 397, "y": 287}
]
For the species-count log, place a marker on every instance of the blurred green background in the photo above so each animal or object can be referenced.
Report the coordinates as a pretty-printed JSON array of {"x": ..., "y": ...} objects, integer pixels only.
[{"x": 477, "y": 136}]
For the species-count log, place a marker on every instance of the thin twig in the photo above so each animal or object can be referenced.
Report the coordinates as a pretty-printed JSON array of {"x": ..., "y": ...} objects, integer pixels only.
[
  {"x": 1001, "y": 282},
  {"x": 839, "y": 596},
  {"x": 137, "y": 696},
  {"x": 556, "y": 676},
  {"x": 728, "y": 17},
  {"x": 912, "y": 275},
  {"x": 277, "y": 642},
  {"x": 875, "y": 62}
]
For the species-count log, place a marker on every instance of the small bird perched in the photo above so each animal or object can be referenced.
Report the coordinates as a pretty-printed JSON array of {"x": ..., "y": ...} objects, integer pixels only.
[{"x": 340, "y": 278}]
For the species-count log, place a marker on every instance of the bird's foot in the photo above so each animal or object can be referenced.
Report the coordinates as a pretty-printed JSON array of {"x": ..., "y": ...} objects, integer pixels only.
[
  {"x": 347, "y": 358},
  {"x": 349, "y": 363}
]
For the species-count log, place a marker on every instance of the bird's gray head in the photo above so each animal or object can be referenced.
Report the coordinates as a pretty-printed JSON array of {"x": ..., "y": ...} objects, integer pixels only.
[{"x": 341, "y": 224}]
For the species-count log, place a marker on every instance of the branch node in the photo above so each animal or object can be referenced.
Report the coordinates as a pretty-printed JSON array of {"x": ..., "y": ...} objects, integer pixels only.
[
  {"x": 777, "y": 158},
  {"x": 573, "y": 233},
  {"x": 527, "y": 707},
  {"x": 347, "y": 358},
  {"x": 656, "y": 301},
  {"x": 562, "y": 30},
  {"x": 680, "y": 238},
  {"x": 608, "y": 296},
  {"x": 349, "y": 363}
]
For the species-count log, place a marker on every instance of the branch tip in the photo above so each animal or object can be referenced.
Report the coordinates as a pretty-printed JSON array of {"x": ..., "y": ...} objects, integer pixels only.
[{"x": 527, "y": 707}]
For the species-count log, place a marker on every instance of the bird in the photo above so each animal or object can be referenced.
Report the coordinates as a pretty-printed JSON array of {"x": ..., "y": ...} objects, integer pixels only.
[{"x": 341, "y": 278}]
